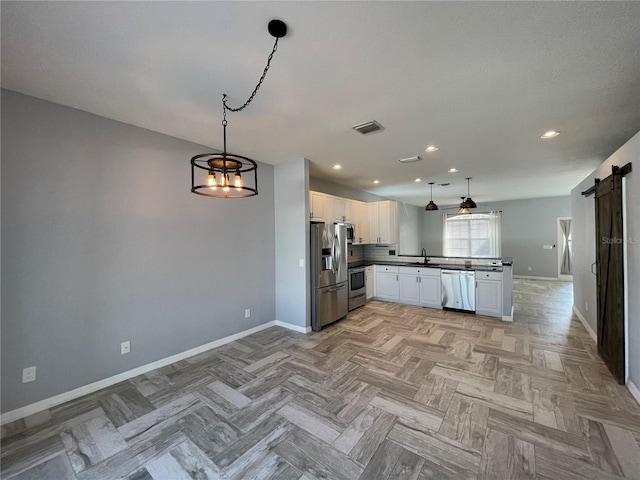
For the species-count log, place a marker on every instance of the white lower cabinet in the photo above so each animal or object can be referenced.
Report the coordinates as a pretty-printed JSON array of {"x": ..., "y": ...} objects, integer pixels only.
[
  {"x": 420, "y": 286},
  {"x": 386, "y": 278},
  {"x": 369, "y": 282},
  {"x": 409, "y": 288},
  {"x": 489, "y": 293},
  {"x": 431, "y": 290}
]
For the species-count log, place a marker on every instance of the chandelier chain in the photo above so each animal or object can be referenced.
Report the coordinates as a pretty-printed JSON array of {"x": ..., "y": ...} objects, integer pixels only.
[{"x": 255, "y": 90}]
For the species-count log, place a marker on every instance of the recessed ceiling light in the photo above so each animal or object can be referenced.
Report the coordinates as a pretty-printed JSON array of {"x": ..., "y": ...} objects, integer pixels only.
[
  {"x": 337, "y": 166},
  {"x": 418, "y": 180},
  {"x": 376, "y": 182},
  {"x": 453, "y": 170},
  {"x": 550, "y": 134},
  {"x": 431, "y": 148}
]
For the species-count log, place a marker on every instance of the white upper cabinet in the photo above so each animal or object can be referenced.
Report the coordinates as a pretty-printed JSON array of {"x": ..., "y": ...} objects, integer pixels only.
[
  {"x": 341, "y": 210},
  {"x": 319, "y": 204},
  {"x": 348, "y": 210},
  {"x": 383, "y": 222},
  {"x": 361, "y": 221},
  {"x": 337, "y": 209},
  {"x": 375, "y": 222}
]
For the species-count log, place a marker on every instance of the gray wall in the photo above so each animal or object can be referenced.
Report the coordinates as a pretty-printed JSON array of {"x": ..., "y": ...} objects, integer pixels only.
[
  {"x": 103, "y": 242},
  {"x": 527, "y": 225},
  {"x": 584, "y": 248},
  {"x": 330, "y": 188},
  {"x": 410, "y": 226},
  {"x": 292, "y": 242}
]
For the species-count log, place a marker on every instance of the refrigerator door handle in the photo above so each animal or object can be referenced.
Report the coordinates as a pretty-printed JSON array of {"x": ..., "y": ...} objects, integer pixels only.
[{"x": 336, "y": 242}]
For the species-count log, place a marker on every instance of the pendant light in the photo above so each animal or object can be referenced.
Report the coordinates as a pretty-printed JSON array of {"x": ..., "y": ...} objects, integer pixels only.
[
  {"x": 462, "y": 209},
  {"x": 431, "y": 206},
  {"x": 468, "y": 202},
  {"x": 218, "y": 166}
]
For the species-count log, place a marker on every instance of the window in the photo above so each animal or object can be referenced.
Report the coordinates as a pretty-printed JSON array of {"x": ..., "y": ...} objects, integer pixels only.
[{"x": 472, "y": 235}]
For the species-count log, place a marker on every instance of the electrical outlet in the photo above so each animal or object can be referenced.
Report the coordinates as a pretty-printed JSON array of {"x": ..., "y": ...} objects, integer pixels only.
[
  {"x": 529, "y": 268},
  {"x": 28, "y": 374},
  {"x": 247, "y": 312},
  {"x": 125, "y": 347},
  {"x": 302, "y": 263}
]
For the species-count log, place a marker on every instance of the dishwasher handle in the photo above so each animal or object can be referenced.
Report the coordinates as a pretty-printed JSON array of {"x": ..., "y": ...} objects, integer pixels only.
[{"x": 458, "y": 272}]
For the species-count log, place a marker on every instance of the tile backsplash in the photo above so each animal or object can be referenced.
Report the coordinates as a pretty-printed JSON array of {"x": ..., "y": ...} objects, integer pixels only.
[{"x": 387, "y": 253}]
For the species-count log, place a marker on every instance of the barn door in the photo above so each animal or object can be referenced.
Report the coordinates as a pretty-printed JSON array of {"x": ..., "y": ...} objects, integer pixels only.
[{"x": 610, "y": 274}]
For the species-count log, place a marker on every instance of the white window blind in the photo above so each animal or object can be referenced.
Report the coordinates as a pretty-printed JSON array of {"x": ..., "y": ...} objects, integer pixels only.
[{"x": 472, "y": 235}]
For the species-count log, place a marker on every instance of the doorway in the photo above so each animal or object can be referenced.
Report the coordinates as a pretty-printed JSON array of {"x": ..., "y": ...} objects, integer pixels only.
[{"x": 565, "y": 256}]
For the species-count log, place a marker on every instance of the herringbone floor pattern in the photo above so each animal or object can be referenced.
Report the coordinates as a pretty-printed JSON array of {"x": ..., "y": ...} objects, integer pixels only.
[{"x": 393, "y": 391}]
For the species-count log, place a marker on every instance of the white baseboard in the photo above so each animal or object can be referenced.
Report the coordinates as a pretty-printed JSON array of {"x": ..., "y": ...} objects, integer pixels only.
[
  {"x": 50, "y": 402},
  {"x": 508, "y": 318},
  {"x": 634, "y": 390},
  {"x": 293, "y": 327},
  {"x": 530, "y": 277},
  {"x": 586, "y": 325}
]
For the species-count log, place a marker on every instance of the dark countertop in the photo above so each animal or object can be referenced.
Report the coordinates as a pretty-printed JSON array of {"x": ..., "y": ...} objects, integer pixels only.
[{"x": 481, "y": 268}]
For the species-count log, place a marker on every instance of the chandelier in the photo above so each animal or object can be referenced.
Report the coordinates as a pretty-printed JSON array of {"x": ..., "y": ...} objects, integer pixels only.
[{"x": 217, "y": 168}]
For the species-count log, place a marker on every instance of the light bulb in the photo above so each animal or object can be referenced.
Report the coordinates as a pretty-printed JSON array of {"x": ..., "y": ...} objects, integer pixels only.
[
  {"x": 211, "y": 180},
  {"x": 226, "y": 182},
  {"x": 237, "y": 180}
]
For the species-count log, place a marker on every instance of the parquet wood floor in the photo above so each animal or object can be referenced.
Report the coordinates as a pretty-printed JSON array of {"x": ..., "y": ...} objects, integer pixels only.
[{"x": 391, "y": 392}]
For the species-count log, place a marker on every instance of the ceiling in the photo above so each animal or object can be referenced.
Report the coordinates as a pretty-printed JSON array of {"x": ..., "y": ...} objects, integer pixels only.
[{"x": 481, "y": 80}]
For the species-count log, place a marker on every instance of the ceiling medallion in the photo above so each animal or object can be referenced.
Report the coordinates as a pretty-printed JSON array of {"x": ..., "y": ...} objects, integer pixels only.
[{"x": 219, "y": 166}]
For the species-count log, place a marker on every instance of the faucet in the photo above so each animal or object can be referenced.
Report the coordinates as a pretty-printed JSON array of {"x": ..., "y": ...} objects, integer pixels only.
[{"x": 424, "y": 254}]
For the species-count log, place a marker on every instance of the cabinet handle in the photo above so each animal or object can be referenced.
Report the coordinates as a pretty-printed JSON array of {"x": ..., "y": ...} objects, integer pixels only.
[{"x": 396, "y": 278}]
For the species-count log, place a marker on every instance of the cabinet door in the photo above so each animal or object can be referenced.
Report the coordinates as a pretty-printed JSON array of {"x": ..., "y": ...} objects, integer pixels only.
[
  {"x": 369, "y": 282},
  {"x": 374, "y": 222},
  {"x": 387, "y": 221},
  {"x": 408, "y": 288},
  {"x": 318, "y": 206},
  {"x": 489, "y": 297},
  {"x": 348, "y": 210},
  {"x": 387, "y": 286},
  {"x": 430, "y": 291},
  {"x": 337, "y": 209},
  {"x": 361, "y": 217}
]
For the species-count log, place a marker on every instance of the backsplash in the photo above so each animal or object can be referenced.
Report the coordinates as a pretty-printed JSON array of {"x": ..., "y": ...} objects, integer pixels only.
[
  {"x": 355, "y": 253},
  {"x": 383, "y": 253}
]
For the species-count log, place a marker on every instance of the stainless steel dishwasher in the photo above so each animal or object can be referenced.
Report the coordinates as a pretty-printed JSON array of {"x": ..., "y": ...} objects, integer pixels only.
[{"x": 459, "y": 290}]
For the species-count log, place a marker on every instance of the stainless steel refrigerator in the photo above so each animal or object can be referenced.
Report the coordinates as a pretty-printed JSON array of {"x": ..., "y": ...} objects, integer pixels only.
[{"x": 329, "y": 280}]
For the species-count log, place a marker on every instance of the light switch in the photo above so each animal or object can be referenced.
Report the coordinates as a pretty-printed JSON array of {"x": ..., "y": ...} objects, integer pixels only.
[{"x": 302, "y": 263}]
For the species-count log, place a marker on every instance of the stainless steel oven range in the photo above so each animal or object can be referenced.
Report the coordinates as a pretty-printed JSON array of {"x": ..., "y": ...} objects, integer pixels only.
[{"x": 357, "y": 288}]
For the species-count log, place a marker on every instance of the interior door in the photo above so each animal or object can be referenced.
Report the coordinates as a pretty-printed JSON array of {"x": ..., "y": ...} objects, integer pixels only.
[{"x": 610, "y": 274}]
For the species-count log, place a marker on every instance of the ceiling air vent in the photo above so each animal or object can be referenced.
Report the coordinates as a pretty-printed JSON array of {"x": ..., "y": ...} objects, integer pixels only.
[{"x": 368, "y": 127}]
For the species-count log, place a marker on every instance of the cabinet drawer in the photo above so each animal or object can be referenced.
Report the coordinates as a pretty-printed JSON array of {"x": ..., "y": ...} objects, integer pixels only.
[
  {"x": 386, "y": 268},
  {"x": 488, "y": 275},
  {"x": 432, "y": 272}
]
